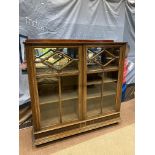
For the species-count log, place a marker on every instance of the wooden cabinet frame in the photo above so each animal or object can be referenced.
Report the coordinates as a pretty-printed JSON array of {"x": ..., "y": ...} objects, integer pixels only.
[{"x": 84, "y": 123}]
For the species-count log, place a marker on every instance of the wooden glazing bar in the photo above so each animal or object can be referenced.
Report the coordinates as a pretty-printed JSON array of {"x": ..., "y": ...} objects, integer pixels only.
[
  {"x": 80, "y": 86},
  {"x": 46, "y": 53},
  {"x": 102, "y": 87},
  {"x": 84, "y": 90},
  {"x": 97, "y": 54},
  {"x": 43, "y": 59},
  {"x": 110, "y": 54},
  {"x": 67, "y": 64},
  {"x": 109, "y": 62},
  {"x": 53, "y": 74},
  {"x": 60, "y": 100}
]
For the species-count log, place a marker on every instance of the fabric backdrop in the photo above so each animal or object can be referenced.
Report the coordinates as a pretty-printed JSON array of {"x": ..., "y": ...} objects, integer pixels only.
[{"x": 80, "y": 19}]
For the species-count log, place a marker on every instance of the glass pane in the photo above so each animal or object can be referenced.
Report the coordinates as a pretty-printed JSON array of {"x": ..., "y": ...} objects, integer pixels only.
[
  {"x": 101, "y": 57},
  {"x": 69, "y": 98},
  {"x": 94, "y": 88},
  {"x": 49, "y": 101},
  {"x": 108, "y": 104},
  {"x": 93, "y": 107},
  {"x": 56, "y": 59},
  {"x": 109, "y": 91},
  {"x": 70, "y": 110},
  {"x": 101, "y": 92},
  {"x": 49, "y": 114}
]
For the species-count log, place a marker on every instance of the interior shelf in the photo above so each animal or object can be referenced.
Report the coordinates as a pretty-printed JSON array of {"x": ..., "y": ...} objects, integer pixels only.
[
  {"x": 98, "y": 94},
  {"x": 68, "y": 95},
  {"x": 94, "y": 69},
  {"x": 90, "y": 70},
  {"x": 50, "y": 121},
  {"x": 72, "y": 94},
  {"x": 69, "y": 117},
  {"x": 95, "y": 107},
  {"x": 99, "y": 81},
  {"x": 54, "y": 73},
  {"x": 95, "y": 91},
  {"x": 55, "y": 120},
  {"x": 96, "y": 112}
]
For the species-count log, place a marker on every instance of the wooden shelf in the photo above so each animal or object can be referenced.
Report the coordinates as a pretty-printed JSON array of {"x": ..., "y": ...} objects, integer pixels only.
[
  {"x": 68, "y": 95},
  {"x": 52, "y": 121},
  {"x": 49, "y": 73},
  {"x": 95, "y": 92},
  {"x": 108, "y": 80},
  {"x": 70, "y": 72},
  {"x": 94, "y": 69},
  {"x": 69, "y": 117},
  {"x": 94, "y": 112},
  {"x": 99, "y": 81},
  {"x": 105, "y": 110}
]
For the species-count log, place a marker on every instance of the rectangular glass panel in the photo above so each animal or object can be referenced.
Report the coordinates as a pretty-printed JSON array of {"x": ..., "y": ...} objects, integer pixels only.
[
  {"x": 109, "y": 91},
  {"x": 49, "y": 114},
  {"x": 49, "y": 101},
  {"x": 69, "y": 97},
  {"x": 56, "y": 59},
  {"x": 102, "y": 57},
  {"x": 70, "y": 110},
  {"x": 93, "y": 107},
  {"x": 101, "y": 93},
  {"x": 94, "y": 88},
  {"x": 108, "y": 104},
  {"x": 58, "y": 93}
]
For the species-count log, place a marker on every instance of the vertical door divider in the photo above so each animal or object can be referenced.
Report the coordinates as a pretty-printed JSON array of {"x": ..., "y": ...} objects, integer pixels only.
[
  {"x": 102, "y": 87},
  {"x": 80, "y": 86},
  {"x": 84, "y": 85},
  {"x": 60, "y": 100}
]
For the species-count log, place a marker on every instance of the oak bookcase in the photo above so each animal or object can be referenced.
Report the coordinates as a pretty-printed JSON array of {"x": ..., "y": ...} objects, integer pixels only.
[{"x": 75, "y": 85}]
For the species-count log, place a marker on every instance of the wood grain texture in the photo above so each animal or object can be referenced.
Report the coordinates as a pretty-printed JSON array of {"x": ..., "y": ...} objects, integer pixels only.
[
  {"x": 120, "y": 77},
  {"x": 80, "y": 83},
  {"x": 38, "y": 41},
  {"x": 33, "y": 88}
]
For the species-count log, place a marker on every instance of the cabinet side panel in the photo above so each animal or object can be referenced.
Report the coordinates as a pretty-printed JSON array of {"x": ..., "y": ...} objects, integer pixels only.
[
  {"x": 120, "y": 77},
  {"x": 33, "y": 88},
  {"x": 84, "y": 71},
  {"x": 80, "y": 82}
]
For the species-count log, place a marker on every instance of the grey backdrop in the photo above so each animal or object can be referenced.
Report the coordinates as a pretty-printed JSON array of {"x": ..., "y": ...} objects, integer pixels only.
[{"x": 80, "y": 19}]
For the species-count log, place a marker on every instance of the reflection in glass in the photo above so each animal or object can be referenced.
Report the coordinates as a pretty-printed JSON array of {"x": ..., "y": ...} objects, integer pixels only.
[
  {"x": 69, "y": 85},
  {"x": 101, "y": 93},
  {"x": 49, "y": 101},
  {"x": 102, "y": 57},
  {"x": 93, "y": 107},
  {"x": 55, "y": 59}
]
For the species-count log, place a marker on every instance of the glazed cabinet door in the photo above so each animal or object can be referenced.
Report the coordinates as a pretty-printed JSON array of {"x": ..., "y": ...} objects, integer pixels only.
[
  {"x": 57, "y": 71},
  {"x": 103, "y": 79}
]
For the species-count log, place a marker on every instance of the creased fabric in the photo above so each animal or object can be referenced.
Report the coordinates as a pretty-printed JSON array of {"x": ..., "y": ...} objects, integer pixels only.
[
  {"x": 72, "y": 19},
  {"x": 80, "y": 19},
  {"x": 129, "y": 36}
]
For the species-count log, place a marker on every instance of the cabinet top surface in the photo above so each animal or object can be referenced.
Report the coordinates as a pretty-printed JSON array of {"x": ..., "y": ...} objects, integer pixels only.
[{"x": 64, "y": 41}]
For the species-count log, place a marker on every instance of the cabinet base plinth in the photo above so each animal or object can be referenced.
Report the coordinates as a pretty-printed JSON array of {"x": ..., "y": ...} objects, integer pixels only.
[{"x": 48, "y": 136}]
